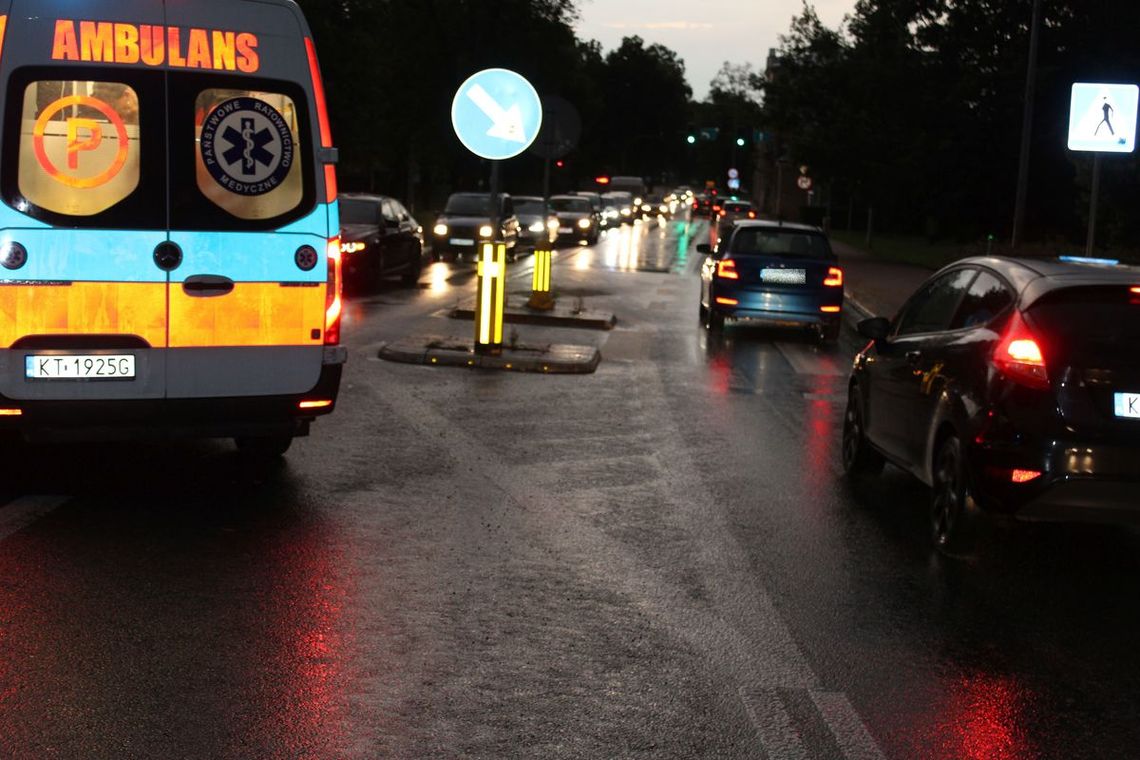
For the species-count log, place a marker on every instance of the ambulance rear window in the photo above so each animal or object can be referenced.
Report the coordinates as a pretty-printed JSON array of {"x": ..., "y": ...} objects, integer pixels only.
[{"x": 240, "y": 153}]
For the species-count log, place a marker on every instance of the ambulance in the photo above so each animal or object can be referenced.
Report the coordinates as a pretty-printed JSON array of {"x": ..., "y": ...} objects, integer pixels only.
[{"x": 168, "y": 221}]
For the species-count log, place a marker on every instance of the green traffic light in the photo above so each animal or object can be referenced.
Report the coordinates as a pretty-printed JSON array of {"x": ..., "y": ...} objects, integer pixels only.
[
  {"x": 692, "y": 139},
  {"x": 740, "y": 141}
]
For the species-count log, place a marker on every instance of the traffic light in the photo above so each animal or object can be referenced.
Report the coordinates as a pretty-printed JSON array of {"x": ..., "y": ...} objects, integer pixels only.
[
  {"x": 742, "y": 137},
  {"x": 691, "y": 139},
  {"x": 740, "y": 142},
  {"x": 560, "y": 164},
  {"x": 691, "y": 135}
]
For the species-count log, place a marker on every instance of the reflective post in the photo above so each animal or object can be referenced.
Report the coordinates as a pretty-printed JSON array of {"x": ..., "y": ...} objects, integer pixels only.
[
  {"x": 541, "y": 298},
  {"x": 491, "y": 299}
]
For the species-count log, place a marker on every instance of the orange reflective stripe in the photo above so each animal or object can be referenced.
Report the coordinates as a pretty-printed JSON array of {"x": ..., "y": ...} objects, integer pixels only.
[
  {"x": 84, "y": 308},
  {"x": 254, "y": 314},
  {"x": 3, "y": 29}
]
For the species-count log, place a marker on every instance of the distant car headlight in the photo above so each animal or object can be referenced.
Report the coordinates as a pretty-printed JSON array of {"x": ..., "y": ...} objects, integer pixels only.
[
  {"x": 440, "y": 230},
  {"x": 626, "y": 212},
  {"x": 646, "y": 208},
  {"x": 584, "y": 223},
  {"x": 485, "y": 231},
  {"x": 553, "y": 223},
  {"x": 356, "y": 247},
  {"x": 637, "y": 201},
  {"x": 664, "y": 209},
  {"x": 537, "y": 227}
]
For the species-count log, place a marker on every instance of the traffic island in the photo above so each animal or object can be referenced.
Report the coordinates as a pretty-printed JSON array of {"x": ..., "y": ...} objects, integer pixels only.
[
  {"x": 551, "y": 359},
  {"x": 559, "y": 316}
]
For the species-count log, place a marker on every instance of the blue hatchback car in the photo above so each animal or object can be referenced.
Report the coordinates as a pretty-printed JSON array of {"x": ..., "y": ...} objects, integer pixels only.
[{"x": 782, "y": 274}]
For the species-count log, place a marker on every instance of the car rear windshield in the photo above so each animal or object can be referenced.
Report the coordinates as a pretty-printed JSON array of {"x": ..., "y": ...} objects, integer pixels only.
[
  {"x": 355, "y": 211},
  {"x": 785, "y": 244},
  {"x": 1091, "y": 325},
  {"x": 469, "y": 205},
  {"x": 570, "y": 204}
]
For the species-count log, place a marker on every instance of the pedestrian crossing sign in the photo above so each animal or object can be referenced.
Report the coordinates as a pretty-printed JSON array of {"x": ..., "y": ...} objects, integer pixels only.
[{"x": 1102, "y": 117}]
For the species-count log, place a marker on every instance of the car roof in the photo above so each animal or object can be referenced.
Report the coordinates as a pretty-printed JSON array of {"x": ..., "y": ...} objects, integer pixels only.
[
  {"x": 775, "y": 225},
  {"x": 531, "y": 198},
  {"x": 1034, "y": 278},
  {"x": 364, "y": 197}
]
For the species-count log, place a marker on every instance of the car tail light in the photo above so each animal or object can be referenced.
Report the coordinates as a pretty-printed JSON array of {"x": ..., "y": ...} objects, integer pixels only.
[
  {"x": 320, "y": 403},
  {"x": 1135, "y": 291},
  {"x": 322, "y": 117},
  {"x": 834, "y": 278},
  {"x": 727, "y": 301},
  {"x": 1020, "y": 477},
  {"x": 1019, "y": 356},
  {"x": 726, "y": 270},
  {"x": 696, "y": 205},
  {"x": 751, "y": 214},
  {"x": 334, "y": 306},
  {"x": 831, "y": 309}
]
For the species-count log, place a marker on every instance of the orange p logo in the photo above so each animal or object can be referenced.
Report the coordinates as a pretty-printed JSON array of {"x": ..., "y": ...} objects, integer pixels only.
[{"x": 75, "y": 145}]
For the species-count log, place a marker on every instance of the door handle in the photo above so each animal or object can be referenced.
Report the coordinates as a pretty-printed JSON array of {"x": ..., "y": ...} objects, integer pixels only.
[{"x": 207, "y": 286}]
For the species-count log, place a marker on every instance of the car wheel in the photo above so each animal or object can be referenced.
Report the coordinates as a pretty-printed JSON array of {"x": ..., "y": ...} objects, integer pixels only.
[
  {"x": 949, "y": 519},
  {"x": 411, "y": 278},
  {"x": 859, "y": 458},
  {"x": 264, "y": 446}
]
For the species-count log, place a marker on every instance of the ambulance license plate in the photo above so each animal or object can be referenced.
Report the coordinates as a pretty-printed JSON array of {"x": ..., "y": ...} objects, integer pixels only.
[
  {"x": 83, "y": 367},
  {"x": 462, "y": 241},
  {"x": 1128, "y": 406}
]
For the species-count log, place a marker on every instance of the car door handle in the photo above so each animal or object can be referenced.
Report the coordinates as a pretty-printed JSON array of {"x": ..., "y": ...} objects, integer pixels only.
[{"x": 207, "y": 286}]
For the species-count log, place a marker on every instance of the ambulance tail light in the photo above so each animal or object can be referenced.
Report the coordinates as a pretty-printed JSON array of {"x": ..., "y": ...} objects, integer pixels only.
[
  {"x": 334, "y": 305},
  {"x": 322, "y": 117}
]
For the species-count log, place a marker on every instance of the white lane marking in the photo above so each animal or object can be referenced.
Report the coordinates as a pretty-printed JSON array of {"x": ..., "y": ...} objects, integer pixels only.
[
  {"x": 848, "y": 728},
  {"x": 806, "y": 360},
  {"x": 22, "y": 512},
  {"x": 778, "y": 737}
]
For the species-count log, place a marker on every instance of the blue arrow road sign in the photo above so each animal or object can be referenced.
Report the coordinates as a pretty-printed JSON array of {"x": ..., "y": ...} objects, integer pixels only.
[
  {"x": 496, "y": 114},
  {"x": 1102, "y": 117}
]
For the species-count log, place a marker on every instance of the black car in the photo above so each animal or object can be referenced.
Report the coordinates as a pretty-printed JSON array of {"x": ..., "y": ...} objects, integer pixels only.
[
  {"x": 577, "y": 219},
  {"x": 1010, "y": 385},
  {"x": 466, "y": 223},
  {"x": 536, "y": 228},
  {"x": 379, "y": 238}
]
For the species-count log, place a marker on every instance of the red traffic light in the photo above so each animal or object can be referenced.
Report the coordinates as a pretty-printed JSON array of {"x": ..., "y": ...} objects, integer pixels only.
[{"x": 560, "y": 164}]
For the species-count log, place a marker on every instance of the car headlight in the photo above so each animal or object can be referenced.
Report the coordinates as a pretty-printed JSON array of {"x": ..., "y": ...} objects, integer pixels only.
[
  {"x": 664, "y": 209},
  {"x": 646, "y": 208},
  {"x": 440, "y": 229},
  {"x": 626, "y": 212},
  {"x": 584, "y": 223},
  {"x": 553, "y": 223},
  {"x": 637, "y": 201},
  {"x": 536, "y": 227},
  {"x": 485, "y": 231}
]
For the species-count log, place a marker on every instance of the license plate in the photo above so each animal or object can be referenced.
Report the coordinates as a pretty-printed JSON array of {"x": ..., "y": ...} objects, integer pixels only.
[
  {"x": 784, "y": 276},
  {"x": 82, "y": 367},
  {"x": 462, "y": 241},
  {"x": 1128, "y": 406},
  {"x": 565, "y": 230}
]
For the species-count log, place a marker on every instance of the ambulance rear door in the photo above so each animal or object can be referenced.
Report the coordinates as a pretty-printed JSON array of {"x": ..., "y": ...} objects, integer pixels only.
[
  {"x": 83, "y": 304},
  {"x": 249, "y": 213}
]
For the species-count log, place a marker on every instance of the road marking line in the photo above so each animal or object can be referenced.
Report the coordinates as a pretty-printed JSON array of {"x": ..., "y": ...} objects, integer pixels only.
[
  {"x": 778, "y": 737},
  {"x": 22, "y": 512},
  {"x": 805, "y": 361},
  {"x": 848, "y": 728}
]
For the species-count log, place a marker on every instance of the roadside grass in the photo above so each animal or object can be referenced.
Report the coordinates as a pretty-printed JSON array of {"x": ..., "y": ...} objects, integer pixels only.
[{"x": 918, "y": 251}]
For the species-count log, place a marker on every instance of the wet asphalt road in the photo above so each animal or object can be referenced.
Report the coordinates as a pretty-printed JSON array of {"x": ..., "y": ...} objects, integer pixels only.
[{"x": 660, "y": 560}]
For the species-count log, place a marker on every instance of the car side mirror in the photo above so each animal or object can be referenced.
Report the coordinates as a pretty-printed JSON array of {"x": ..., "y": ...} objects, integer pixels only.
[
  {"x": 876, "y": 329},
  {"x": 704, "y": 248}
]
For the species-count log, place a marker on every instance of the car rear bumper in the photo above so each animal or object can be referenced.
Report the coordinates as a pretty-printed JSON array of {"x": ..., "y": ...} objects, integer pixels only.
[
  {"x": 163, "y": 419},
  {"x": 1079, "y": 483},
  {"x": 773, "y": 306}
]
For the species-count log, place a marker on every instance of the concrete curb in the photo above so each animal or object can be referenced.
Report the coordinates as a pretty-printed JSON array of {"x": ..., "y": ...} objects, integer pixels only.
[
  {"x": 434, "y": 351},
  {"x": 559, "y": 317}
]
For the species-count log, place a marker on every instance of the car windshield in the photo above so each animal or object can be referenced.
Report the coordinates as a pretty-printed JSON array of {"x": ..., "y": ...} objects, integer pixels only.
[
  {"x": 528, "y": 206},
  {"x": 469, "y": 205},
  {"x": 781, "y": 243},
  {"x": 575, "y": 205},
  {"x": 359, "y": 212},
  {"x": 1095, "y": 324}
]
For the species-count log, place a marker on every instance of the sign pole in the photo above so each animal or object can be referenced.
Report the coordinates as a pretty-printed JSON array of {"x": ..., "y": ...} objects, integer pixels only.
[
  {"x": 491, "y": 278},
  {"x": 1093, "y": 206},
  {"x": 541, "y": 299}
]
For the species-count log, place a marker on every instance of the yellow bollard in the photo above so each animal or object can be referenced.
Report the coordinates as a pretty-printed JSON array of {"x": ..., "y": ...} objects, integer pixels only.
[
  {"x": 491, "y": 299},
  {"x": 541, "y": 298}
]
